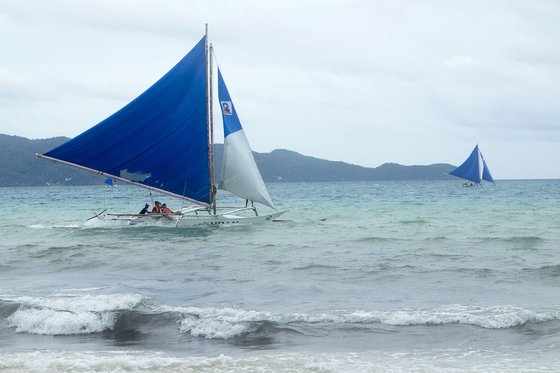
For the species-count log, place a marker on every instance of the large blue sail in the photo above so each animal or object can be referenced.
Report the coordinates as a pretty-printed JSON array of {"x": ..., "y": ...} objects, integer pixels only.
[
  {"x": 159, "y": 140},
  {"x": 485, "y": 171},
  {"x": 470, "y": 169}
]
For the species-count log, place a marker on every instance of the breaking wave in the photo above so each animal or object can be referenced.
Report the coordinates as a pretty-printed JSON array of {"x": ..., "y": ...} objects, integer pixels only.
[
  {"x": 68, "y": 315},
  {"x": 86, "y": 314},
  {"x": 230, "y": 322}
]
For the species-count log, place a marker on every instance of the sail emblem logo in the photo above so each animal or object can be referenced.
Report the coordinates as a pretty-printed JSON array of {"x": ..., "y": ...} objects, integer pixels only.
[{"x": 226, "y": 107}]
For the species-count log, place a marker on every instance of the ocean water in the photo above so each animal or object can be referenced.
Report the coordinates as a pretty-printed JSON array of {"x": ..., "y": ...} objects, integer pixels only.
[{"x": 357, "y": 277}]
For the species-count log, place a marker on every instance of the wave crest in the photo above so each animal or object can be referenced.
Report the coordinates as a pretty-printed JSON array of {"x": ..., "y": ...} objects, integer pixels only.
[
  {"x": 69, "y": 315},
  {"x": 225, "y": 323},
  {"x": 51, "y": 322},
  {"x": 63, "y": 315}
]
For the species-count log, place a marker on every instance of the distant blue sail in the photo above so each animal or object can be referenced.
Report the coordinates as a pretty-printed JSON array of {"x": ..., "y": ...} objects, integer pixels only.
[
  {"x": 160, "y": 139},
  {"x": 470, "y": 169},
  {"x": 485, "y": 171}
]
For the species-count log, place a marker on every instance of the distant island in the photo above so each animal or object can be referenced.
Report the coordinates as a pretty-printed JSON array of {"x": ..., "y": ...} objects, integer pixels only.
[{"x": 20, "y": 167}]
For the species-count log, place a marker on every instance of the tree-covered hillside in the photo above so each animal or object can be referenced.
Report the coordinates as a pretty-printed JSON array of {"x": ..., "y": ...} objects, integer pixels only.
[{"x": 20, "y": 167}]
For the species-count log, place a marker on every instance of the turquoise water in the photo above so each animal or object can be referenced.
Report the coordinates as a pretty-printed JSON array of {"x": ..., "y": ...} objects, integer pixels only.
[{"x": 419, "y": 276}]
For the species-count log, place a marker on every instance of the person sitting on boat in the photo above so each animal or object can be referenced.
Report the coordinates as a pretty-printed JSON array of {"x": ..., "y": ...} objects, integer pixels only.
[
  {"x": 145, "y": 210},
  {"x": 165, "y": 209},
  {"x": 157, "y": 208}
]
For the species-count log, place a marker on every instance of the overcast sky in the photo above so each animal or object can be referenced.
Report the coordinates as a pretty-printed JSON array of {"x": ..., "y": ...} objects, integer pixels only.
[{"x": 365, "y": 82}]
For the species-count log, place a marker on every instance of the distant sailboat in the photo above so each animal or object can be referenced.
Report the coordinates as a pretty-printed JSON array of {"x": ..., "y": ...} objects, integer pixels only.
[
  {"x": 163, "y": 141},
  {"x": 474, "y": 169}
]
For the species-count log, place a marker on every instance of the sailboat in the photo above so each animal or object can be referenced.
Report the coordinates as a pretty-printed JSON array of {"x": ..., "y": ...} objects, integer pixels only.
[
  {"x": 474, "y": 169},
  {"x": 164, "y": 141}
]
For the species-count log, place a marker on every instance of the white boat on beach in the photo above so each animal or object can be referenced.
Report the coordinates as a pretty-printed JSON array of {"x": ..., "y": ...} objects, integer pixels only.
[{"x": 164, "y": 141}]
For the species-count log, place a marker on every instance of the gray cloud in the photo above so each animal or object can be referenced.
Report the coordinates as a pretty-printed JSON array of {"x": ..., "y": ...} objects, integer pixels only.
[{"x": 365, "y": 82}]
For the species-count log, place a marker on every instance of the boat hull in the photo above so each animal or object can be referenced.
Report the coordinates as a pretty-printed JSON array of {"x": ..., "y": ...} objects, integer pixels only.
[
  {"x": 184, "y": 220},
  {"x": 224, "y": 220}
]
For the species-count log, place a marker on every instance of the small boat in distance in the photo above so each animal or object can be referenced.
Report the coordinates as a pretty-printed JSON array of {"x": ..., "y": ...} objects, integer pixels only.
[
  {"x": 164, "y": 141},
  {"x": 474, "y": 169}
]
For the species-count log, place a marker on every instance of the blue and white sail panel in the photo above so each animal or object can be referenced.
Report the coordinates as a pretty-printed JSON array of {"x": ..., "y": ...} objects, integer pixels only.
[
  {"x": 470, "y": 169},
  {"x": 486, "y": 171},
  {"x": 240, "y": 174},
  {"x": 159, "y": 140}
]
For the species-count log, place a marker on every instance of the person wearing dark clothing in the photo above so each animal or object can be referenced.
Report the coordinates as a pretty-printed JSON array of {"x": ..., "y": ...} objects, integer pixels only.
[{"x": 145, "y": 210}]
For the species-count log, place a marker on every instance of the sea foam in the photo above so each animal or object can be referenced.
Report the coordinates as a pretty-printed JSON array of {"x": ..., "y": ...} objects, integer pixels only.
[
  {"x": 84, "y": 314},
  {"x": 224, "y": 323},
  {"x": 67, "y": 315},
  {"x": 45, "y": 321},
  {"x": 42, "y": 226},
  {"x": 468, "y": 360}
]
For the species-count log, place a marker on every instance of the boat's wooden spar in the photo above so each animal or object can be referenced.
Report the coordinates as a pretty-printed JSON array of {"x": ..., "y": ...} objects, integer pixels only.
[{"x": 122, "y": 179}]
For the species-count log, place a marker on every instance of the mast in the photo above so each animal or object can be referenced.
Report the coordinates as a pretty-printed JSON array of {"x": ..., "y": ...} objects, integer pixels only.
[{"x": 210, "y": 122}]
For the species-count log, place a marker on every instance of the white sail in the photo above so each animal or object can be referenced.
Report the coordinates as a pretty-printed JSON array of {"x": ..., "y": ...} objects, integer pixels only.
[{"x": 240, "y": 174}]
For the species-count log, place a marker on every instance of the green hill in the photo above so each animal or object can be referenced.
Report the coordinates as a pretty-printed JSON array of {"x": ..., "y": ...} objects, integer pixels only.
[{"x": 20, "y": 167}]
